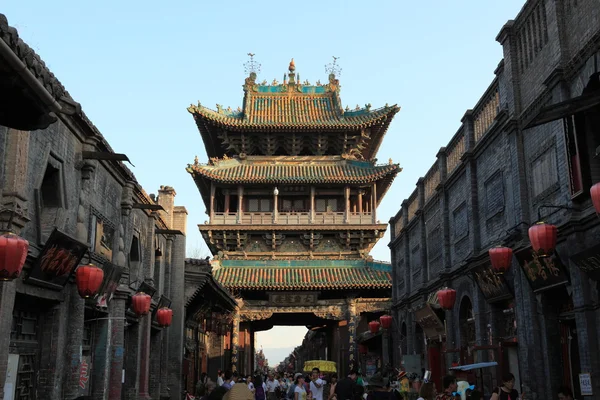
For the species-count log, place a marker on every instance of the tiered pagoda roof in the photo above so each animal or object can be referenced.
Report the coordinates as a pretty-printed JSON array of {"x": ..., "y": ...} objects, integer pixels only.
[
  {"x": 302, "y": 275},
  {"x": 293, "y": 170},
  {"x": 289, "y": 108}
]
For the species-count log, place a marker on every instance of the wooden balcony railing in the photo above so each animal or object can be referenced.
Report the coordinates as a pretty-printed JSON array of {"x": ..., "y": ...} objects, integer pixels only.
[{"x": 291, "y": 218}]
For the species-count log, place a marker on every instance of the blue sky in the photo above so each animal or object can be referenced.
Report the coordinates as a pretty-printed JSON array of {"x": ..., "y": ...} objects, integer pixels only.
[{"x": 135, "y": 66}]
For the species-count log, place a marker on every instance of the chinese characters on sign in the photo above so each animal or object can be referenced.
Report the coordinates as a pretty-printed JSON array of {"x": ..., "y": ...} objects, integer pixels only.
[
  {"x": 293, "y": 299},
  {"x": 60, "y": 256},
  {"x": 585, "y": 384},
  {"x": 83, "y": 374}
]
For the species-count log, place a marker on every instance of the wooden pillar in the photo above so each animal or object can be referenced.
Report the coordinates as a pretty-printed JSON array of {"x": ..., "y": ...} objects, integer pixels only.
[
  {"x": 213, "y": 189},
  {"x": 227, "y": 200},
  {"x": 240, "y": 203},
  {"x": 312, "y": 204},
  {"x": 360, "y": 201},
  {"x": 275, "y": 205},
  {"x": 347, "y": 203},
  {"x": 374, "y": 202}
]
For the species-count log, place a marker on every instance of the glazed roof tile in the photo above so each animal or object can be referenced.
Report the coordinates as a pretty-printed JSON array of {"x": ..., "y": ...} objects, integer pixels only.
[
  {"x": 300, "y": 112},
  {"x": 304, "y": 278},
  {"x": 348, "y": 172}
]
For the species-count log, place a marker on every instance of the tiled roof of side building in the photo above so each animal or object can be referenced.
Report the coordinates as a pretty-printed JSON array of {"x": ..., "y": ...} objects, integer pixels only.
[
  {"x": 306, "y": 278},
  {"x": 348, "y": 172}
]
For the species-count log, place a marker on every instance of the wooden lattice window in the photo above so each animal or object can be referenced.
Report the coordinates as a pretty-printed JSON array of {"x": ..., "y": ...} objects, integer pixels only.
[
  {"x": 288, "y": 205},
  {"x": 24, "y": 326},
  {"x": 327, "y": 205},
  {"x": 259, "y": 205}
]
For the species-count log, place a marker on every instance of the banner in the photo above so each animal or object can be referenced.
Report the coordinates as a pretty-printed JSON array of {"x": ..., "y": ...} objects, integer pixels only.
[{"x": 57, "y": 261}]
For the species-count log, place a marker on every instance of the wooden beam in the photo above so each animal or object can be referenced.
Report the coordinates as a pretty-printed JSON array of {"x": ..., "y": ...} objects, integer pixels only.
[
  {"x": 142, "y": 206},
  {"x": 100, "y": 155},
  {"x": 168, "y": 232}
]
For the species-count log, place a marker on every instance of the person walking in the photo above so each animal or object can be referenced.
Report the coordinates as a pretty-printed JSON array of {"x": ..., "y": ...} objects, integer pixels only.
[
  {"x": 299, "y": 390},
  {"x": 345, "y": 389},
  {"x": 333, "y": 383},
  {"x": 272, "y": 387},
  {"x": 316, "y": 384},
  {"x": 507, "y": 391},
  {"x": 378, "y": 389},
  {"x": 449, "y": 385},
  {"x": 427, "y": 391}
]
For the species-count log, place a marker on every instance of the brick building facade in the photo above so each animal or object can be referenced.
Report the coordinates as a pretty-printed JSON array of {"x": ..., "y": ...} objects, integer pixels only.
[
  {"x": 526, "y": 152},
  {"x": 61, "y": 184}
]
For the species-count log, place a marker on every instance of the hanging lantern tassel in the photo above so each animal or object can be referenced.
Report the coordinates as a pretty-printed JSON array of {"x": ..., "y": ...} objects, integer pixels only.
[
  {"x": 501, "y": 259},
  {"x": 13, "y": 253},
  {"x": 89, "y": 279},
  {"x": 543, "y": 238},
  {"x": 140, "y": 303},
  {"x": 164, "y": 316},
  {"x": 446, "y": 298}
]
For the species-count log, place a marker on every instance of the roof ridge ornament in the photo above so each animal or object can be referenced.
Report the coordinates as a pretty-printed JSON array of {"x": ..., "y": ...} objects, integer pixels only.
[
  {"x": 252, "y": 66},
  {"x": 333, "y": 68}
]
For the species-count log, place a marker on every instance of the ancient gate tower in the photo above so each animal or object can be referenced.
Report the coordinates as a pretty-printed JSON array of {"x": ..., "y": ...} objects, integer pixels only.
[{"x": 292, "y": 189}]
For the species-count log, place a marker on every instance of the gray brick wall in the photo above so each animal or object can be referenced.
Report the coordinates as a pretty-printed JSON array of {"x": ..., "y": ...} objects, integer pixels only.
[{"x": 498, "y": 187}]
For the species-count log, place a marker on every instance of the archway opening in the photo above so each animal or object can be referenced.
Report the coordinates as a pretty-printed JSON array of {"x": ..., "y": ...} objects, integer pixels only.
[{"x": 467, "y": 331}]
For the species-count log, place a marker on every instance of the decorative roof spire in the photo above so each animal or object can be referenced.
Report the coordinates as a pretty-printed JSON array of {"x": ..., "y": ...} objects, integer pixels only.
[
  {"x": 251, "y": 66},
  {"x": 292, "y": 75},
  {"x": 334, "y": 68}
]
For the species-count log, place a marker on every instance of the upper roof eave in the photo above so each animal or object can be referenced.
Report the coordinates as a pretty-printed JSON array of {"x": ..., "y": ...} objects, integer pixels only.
[{"x": 353, "y": 122}]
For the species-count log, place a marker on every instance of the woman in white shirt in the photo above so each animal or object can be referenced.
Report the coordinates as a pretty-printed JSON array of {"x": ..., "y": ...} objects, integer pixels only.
[{"x": 299, "y": 391}]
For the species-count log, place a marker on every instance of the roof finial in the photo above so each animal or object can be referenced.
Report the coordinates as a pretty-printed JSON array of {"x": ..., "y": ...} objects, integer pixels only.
[
  {"x": 292, "y": 66},
  {"x": 251, "y": 66},
  {"x": 333, "y": 68}
]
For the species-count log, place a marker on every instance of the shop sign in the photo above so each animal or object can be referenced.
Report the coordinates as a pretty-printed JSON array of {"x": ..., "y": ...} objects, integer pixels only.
[
  {"x": 57, "y": 260},
  {"x": 585, "y": 384},
  {"x": 589, "y": 262},
  {"x": 430, "y": 322},
  {"x": 84, "y": 376},
  {"x": 301, "y": 299},
  {"x": 112, "y": 276},
  {"x": 492, "y": 285},
  {"x": 543, "y": 273}
]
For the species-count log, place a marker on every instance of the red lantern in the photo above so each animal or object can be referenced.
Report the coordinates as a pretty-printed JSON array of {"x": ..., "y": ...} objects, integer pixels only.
[
  {"x": 386, "y": 321},
  {"x": 595, "y": 193},
  {"x": 543, "y": 238},
  {"x": 374, "y": 326},
  {"x": 13, "y": 252},
  {"x": 140, "y": 302},
  {"x": 446, "y": 298},
  {"x": 164, "y": 316},
  {"x": 501, "y": 259},
  {"x": 363, "y": 349},
  {"x": 89, "y": 279}
]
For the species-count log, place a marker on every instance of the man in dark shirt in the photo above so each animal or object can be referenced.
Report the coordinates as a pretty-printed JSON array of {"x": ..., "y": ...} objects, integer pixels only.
[{"x": 345, "y": 388}]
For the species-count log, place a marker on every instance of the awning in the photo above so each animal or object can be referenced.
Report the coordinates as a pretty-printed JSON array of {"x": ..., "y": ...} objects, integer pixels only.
[
  {"x": 565, "y": 109},
  {"x": 470, "y": 367}
]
